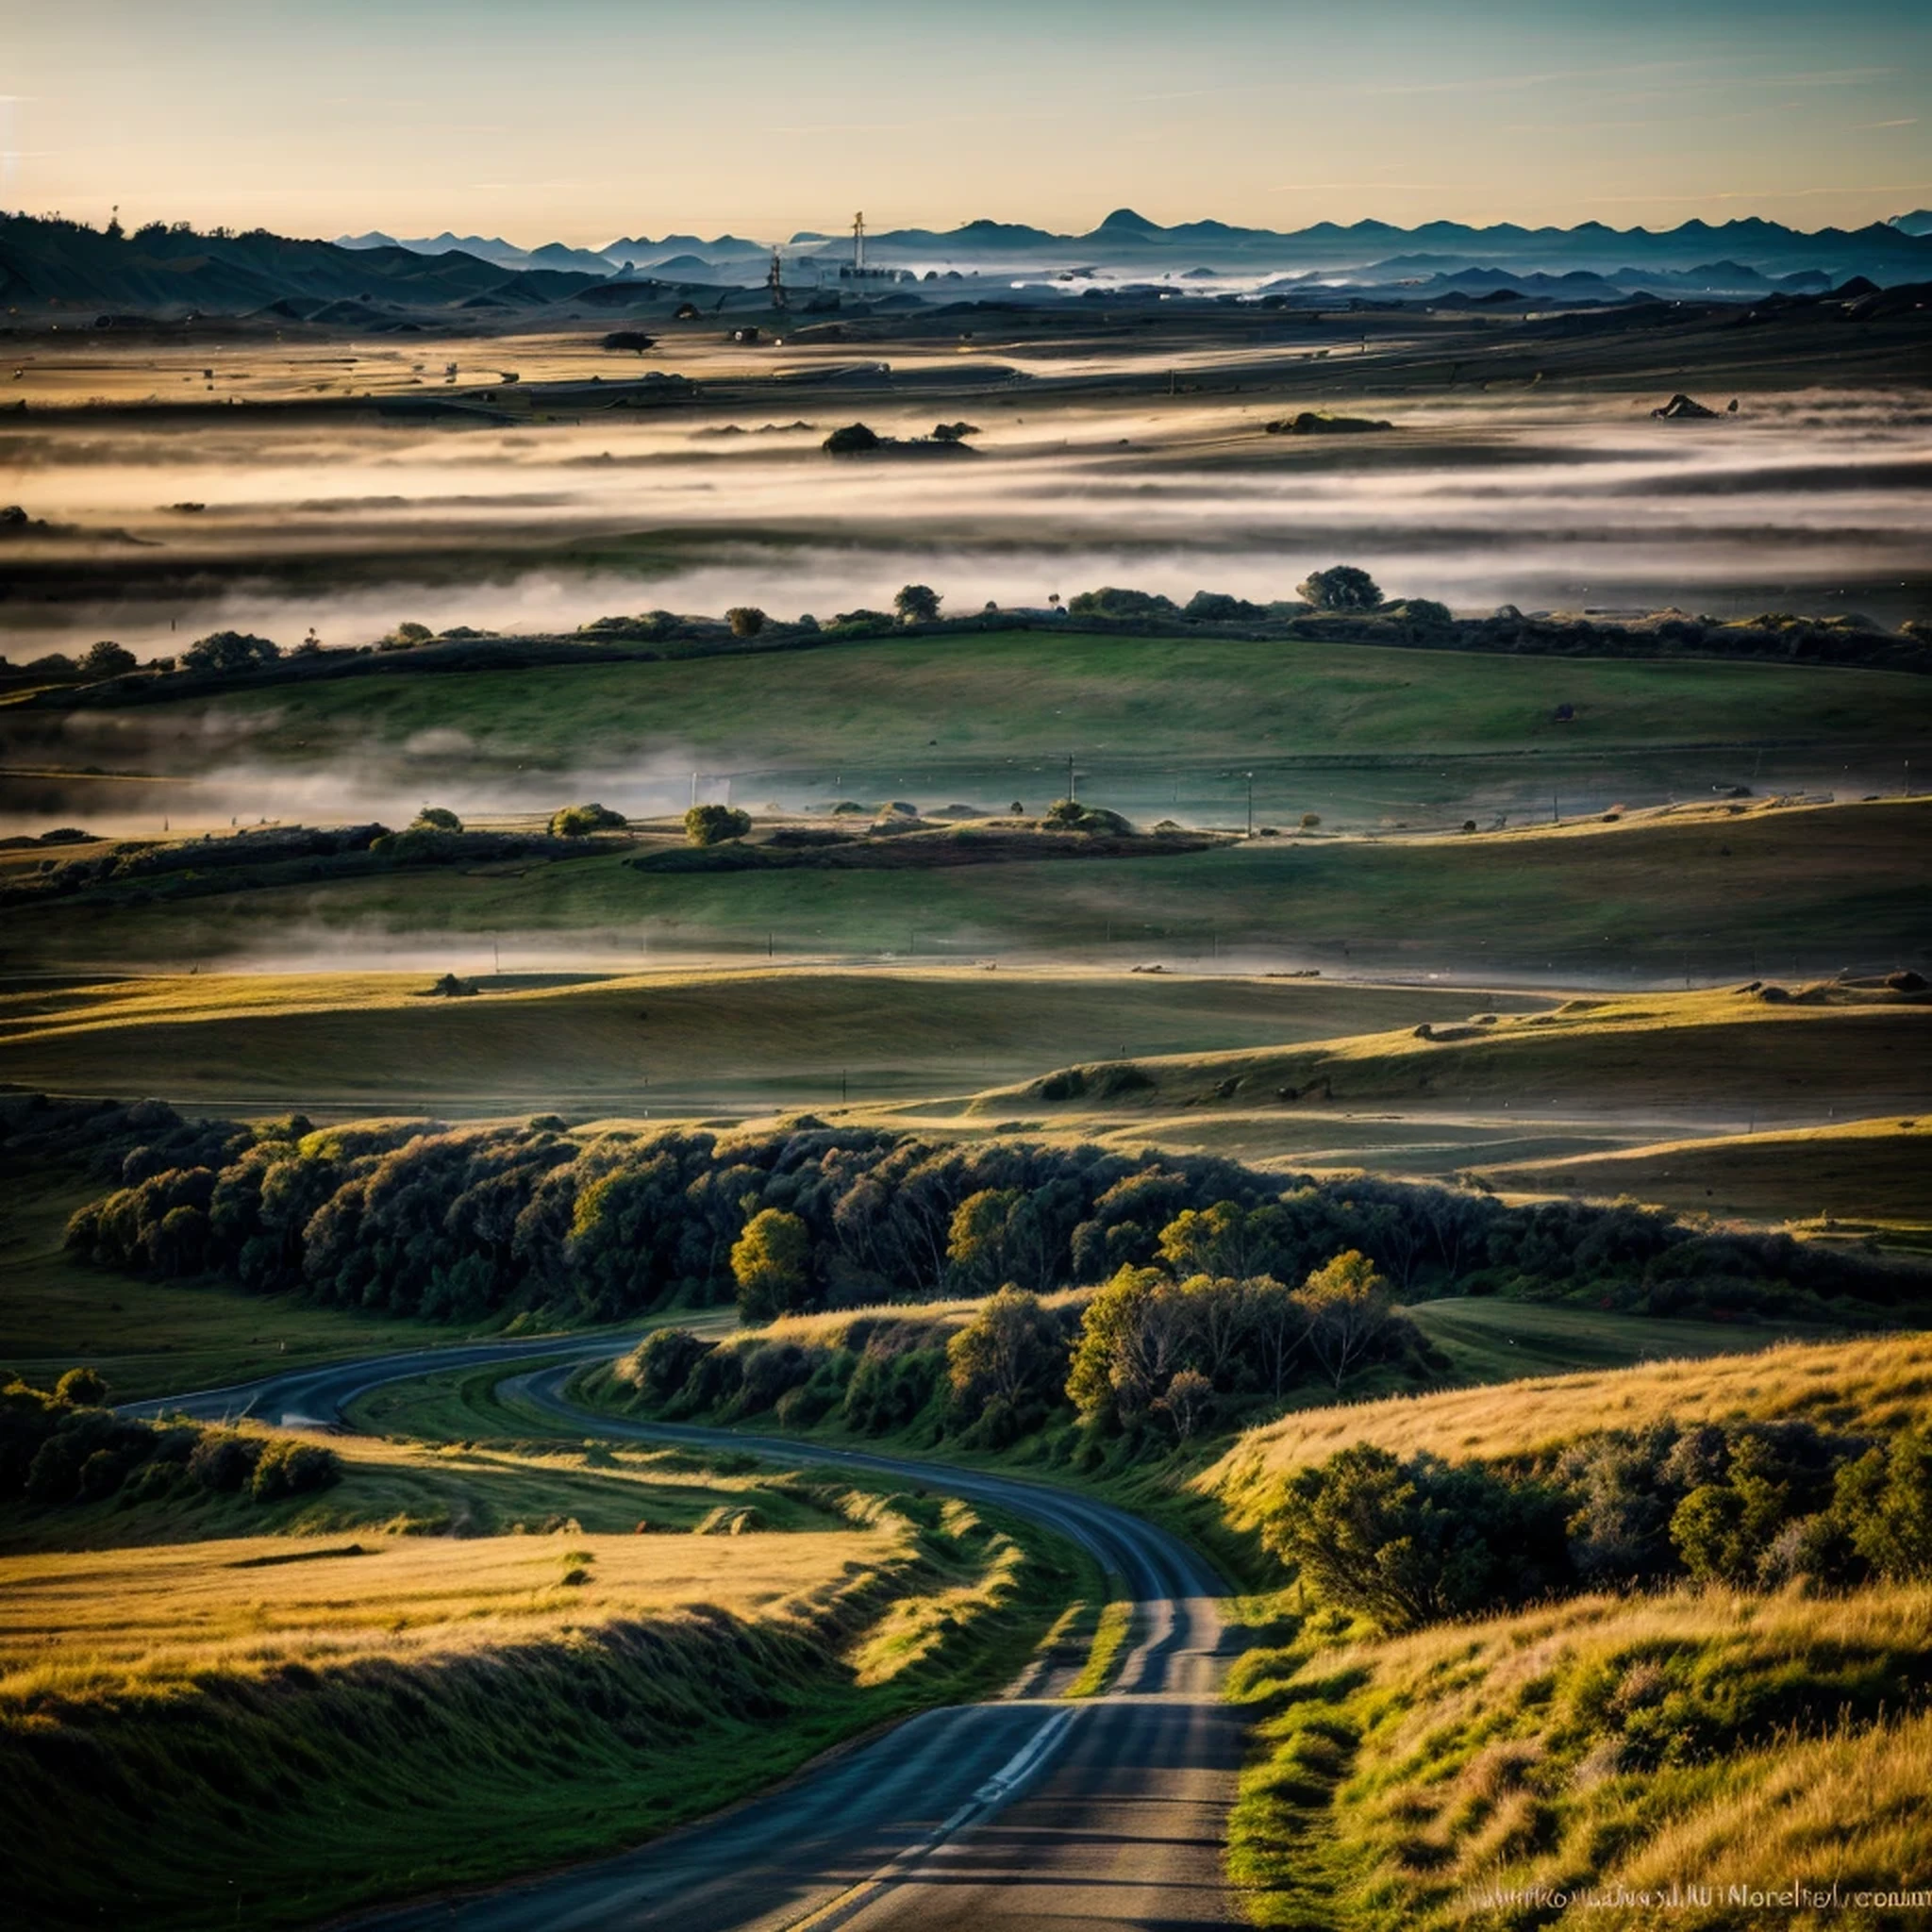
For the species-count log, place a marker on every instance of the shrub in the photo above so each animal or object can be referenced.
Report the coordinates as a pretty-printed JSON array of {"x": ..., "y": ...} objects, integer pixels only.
[
  {"x": 1341, "y": 587},
  {"x": 746, "y": 620},
  {"x": 662, "y": 1362},
  {"x": 108, "y": 659},
  {"x": 230, "y": 649},
  {"x": 580, "y": 821},
  {"x": 82, "y": 1388},
  {"x": 1883, "y": 1501},
  {"x": 891, "y": 1384},
  {"x": 224, "y": 1463},
  {"x": 1214, "y": 607},
  {"x": 712, "y": 825},
  {"x": 1408, "y": 1543},
  {"x": 289, "y": 1468},
  {"x": 1111, "y": 601},
  {"x": 770, "y": 1263}
]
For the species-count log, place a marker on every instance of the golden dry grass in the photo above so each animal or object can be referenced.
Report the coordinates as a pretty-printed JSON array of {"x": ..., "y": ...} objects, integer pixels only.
[
  {"x": 1414, "y": 1776},
  {"x": 108, "y": 1621},
  {"x": 1874, "y": 1385}
]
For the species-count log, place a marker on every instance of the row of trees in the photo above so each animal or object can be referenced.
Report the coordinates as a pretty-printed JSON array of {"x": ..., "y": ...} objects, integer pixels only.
[
  {"x": 457, "y": 1223},
  {"x": 1147, "y": 1355}
]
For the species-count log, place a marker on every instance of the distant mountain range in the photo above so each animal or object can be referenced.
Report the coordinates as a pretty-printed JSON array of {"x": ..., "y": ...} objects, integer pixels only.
[
  {"x": 374, "y": 280},
  {"x": 1740, "y": 257}
]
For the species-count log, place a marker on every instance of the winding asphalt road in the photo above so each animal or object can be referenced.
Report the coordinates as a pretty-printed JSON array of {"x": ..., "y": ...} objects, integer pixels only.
[{"x": 1027, "y": 1812}]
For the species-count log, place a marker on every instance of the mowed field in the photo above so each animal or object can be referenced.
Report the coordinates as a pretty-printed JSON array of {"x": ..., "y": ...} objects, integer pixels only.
[{"x": 1705, "y": 894}]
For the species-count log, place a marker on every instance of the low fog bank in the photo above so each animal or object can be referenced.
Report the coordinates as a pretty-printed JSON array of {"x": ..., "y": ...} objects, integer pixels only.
[{"x": 1813, "y": 498}]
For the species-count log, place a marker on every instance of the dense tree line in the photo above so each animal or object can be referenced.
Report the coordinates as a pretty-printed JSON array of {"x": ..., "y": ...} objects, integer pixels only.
[
  {"x": 1150, "y": 1356},
  {"x": 420, "y": 1219},
  {"x": 1744, "y": 1504}
]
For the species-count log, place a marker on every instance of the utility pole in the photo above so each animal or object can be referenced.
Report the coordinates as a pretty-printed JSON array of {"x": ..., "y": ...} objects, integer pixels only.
[
  {"x": 1251, "y": 805},
  {"x": 1073, "y": 778}
]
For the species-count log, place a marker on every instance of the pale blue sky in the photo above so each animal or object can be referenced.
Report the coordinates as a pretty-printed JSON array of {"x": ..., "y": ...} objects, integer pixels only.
[{"x": 580, "y": 119}]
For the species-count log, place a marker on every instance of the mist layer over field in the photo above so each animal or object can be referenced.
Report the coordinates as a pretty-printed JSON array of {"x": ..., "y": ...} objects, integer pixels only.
[{"x": 1811, "y": 499}]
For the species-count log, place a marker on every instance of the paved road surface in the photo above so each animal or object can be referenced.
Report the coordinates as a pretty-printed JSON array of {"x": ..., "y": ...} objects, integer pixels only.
[{"x": 1022, "y": 1813}]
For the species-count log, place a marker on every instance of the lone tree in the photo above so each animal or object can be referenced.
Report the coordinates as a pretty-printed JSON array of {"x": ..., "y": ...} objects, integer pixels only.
[
  {"x": 770, "y": 1263},
  {"x": 917, "y": 603},
  {"x": 230, "y": 649},
  {"x": 1346, "y": 1307},
  {"x": 853, "y": 440},
  {"x": 406, "y": 637},
  {"x": 437, "y": 818},
  {"x": 1342, "y": 587},
  {"x": 108, "y": 659},
  {"x": 746, "y": 620},
  {"x": 580, "y": 821},
  {"x": 711, "y": 824}
]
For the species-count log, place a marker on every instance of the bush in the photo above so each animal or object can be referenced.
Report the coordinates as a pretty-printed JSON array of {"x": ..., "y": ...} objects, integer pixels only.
[
  {"x": 228, "y": 651},
  {"x": 225, "y": 1463},
  {"x": 289, "y": 1468},
  {"x": 1883, "y": 1502},
  {"x": 580, "y": 821},
  {"x": 746, "y": 620},
  {"x": 1212, "y": 607},
  {"x": 108, "y": 659},
  {"x": 662, "y": 1362},
  {"x": 712, "y": 825},
  {"x": 771, "y": 1263},
  {"x": 1111, "y": 601},
  {"x": 1341, "y": 587},
  {"x": 1408, "y": 1543},
  {"x": 82, "y": 1388}
]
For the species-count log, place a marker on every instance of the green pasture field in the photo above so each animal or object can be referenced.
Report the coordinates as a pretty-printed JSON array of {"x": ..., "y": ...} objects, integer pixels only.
[
  {"x": 692, "y": 1041},
  {"x": 986, "y": 699},
  {"x": 1701, "y": 895}
]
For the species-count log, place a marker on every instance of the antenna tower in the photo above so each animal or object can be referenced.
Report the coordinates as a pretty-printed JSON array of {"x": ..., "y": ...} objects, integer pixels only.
[{"x": 858, "y": 244}]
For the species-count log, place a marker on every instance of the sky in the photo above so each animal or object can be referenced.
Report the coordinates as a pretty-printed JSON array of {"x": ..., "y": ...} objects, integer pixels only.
[{"x": 584, "y": 121}]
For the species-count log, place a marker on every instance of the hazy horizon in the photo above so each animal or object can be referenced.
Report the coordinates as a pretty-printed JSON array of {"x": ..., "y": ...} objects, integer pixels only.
[{"x": 587, "y": 121}]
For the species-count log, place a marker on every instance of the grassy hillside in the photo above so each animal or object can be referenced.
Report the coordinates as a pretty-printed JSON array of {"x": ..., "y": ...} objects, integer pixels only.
[
  {"x": 1701, "y": 1737},
  {"x": 1873, "y": 1174},
  {"x": 991, "y": 699},
  {"x": 1689, "y": 1056},
  {"x": 1870, "y": 1384},
  {"x": 1692, "y": 1740},
  {"x": 228, "y": 1716},
  {"x": 656, "y": 1041},
  {"x": 1785, "y": 890}
]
